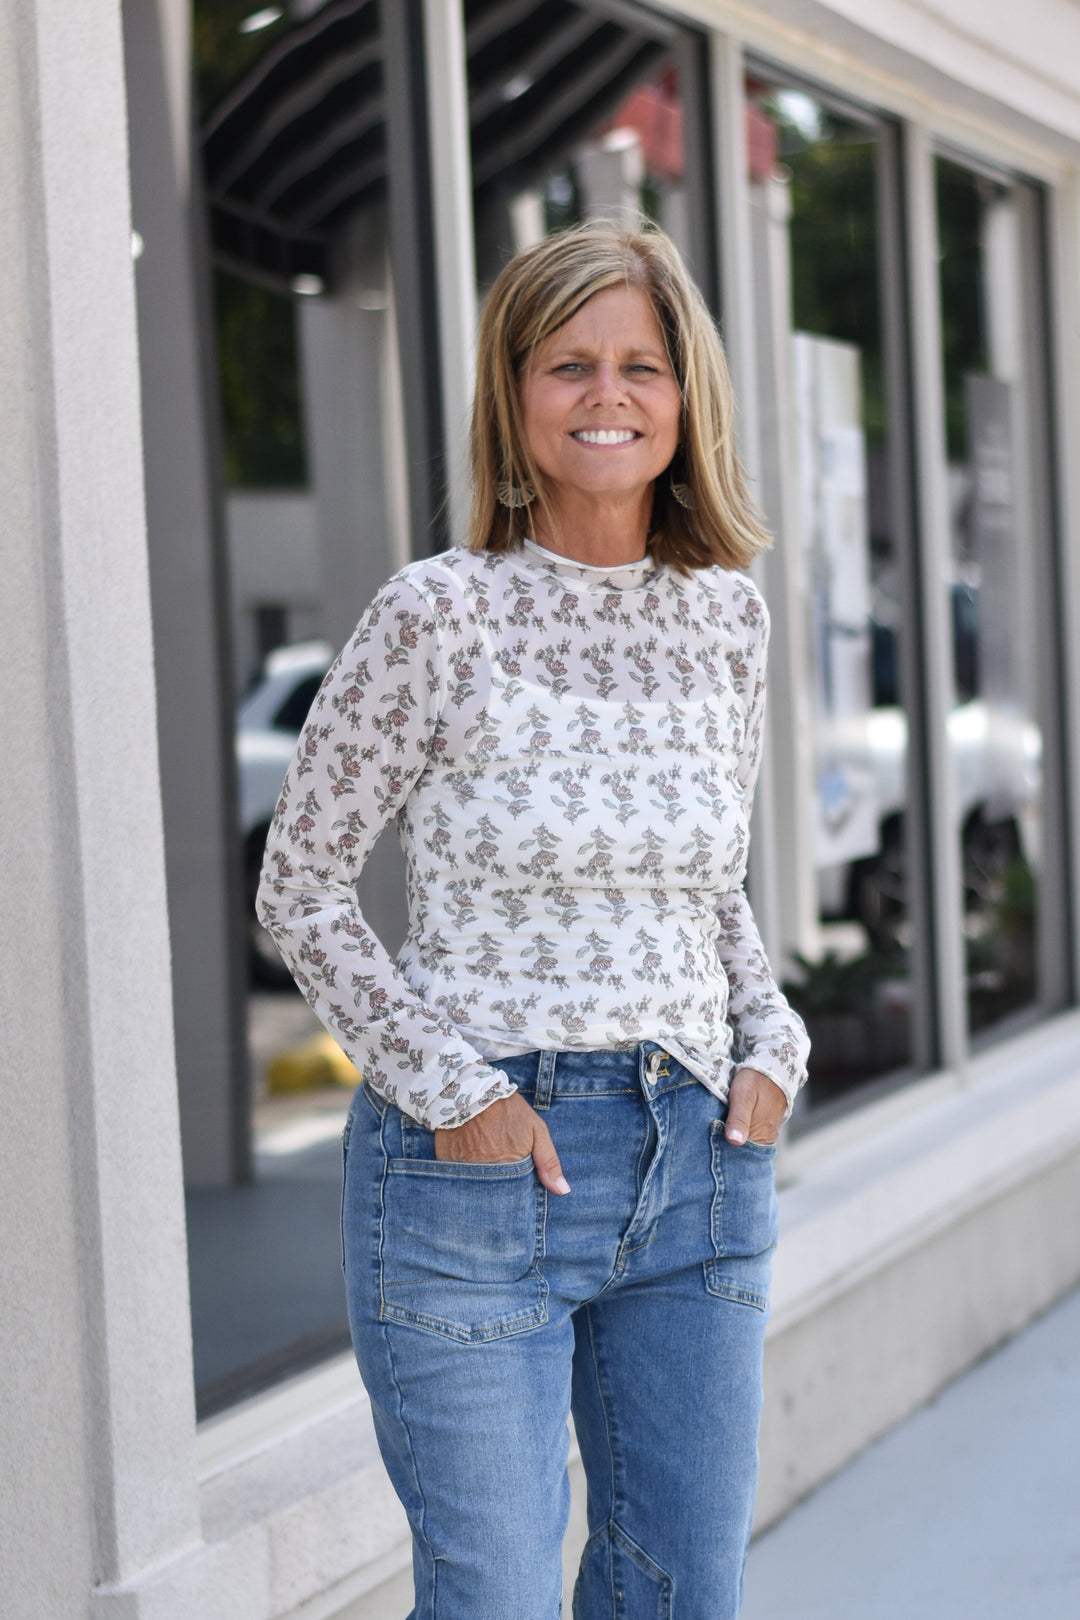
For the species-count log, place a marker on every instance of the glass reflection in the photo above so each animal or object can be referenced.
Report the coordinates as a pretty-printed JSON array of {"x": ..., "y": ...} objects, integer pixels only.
[
  {"x": 606, "y": 143},
  {"x": 995, "y": 735},
  {"x": 815, "y": 185}
]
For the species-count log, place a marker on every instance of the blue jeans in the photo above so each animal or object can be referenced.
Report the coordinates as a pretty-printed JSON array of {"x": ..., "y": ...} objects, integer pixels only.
[{"x": 484, "y": 1310}]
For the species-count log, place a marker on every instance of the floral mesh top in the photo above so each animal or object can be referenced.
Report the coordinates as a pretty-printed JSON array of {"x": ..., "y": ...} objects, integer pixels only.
[{"x": 569, "y": 753}]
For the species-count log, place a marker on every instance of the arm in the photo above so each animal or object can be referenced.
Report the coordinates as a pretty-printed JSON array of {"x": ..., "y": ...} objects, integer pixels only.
[
  {"x": 368, "y": 738},
  {"x": 769, "y": 1038}
]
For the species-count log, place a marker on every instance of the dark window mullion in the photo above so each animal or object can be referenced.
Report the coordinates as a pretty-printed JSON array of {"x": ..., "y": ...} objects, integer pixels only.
[{"x": 926, "y": 1045}]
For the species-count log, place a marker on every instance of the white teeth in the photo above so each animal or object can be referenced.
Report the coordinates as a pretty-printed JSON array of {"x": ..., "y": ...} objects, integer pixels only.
[{"x": 605, "y": 435}]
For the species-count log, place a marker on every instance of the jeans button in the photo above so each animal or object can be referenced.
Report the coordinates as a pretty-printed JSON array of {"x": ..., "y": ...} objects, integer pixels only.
[{"x": 652, "y": 1068}]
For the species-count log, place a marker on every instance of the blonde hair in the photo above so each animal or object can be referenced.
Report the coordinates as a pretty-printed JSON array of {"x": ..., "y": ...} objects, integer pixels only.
[{"x": 540, "y": 290}]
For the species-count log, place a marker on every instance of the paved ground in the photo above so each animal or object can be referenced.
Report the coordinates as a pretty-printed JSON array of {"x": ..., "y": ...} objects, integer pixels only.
[{"x": 968, "y": 1511}]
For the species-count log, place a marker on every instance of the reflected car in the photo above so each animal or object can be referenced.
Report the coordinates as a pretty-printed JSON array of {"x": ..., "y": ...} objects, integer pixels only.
[
  {"x": 268, "y": 722},
  {"x": 997, "y": 759}
]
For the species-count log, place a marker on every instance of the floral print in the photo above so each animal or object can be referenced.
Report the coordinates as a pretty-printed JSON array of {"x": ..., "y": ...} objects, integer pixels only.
[{"x": 569, "y": 755}]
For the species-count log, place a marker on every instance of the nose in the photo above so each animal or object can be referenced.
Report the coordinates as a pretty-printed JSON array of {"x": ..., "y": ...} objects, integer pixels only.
[{"x": 606, "y": 387}]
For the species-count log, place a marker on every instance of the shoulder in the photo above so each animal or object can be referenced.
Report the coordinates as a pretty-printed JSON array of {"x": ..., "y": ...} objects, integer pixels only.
[
  {"x": 432, "y": 596},
  {"x": 453, "y": 579},
  {"x": 737, "y": 600}
]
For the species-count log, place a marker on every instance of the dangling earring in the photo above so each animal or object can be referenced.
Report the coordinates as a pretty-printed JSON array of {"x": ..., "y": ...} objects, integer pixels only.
[
  {"x": 507, "y": 493},
  {"x": 680, "y": 492}
]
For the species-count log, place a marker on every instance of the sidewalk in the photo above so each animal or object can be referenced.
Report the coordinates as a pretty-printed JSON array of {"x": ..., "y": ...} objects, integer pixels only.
[{"x": 970, "y": 1510}]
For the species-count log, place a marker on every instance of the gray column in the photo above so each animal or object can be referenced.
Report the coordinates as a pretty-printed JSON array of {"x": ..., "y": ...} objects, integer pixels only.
[
  {"x": 352, "y": 419},
  {"x": 737, "y": 298},
  {"x": 188, "y": 580},
  {"x": 414, "y": 270},
  {"x": 784, "y": 573},
  {"x": 945, "y": 941},
  {"x": 451, "y": 178},
  {"x": 97, "y": 1417},
  {"x": 1063, "y": 205}
]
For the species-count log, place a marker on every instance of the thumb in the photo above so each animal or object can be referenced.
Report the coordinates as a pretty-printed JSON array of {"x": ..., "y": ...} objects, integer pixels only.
[
  {"x": 546, "y": 1160},
  {"x": 740, "y": 1111}
]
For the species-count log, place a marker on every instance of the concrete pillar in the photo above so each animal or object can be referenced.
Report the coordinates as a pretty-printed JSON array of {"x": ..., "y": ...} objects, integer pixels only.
[
  {"x": 415, "y": 271},
  {"x": 188, "y": 572},
  {"x": 97, "y": 1416},
  {"x": 452, "y": 226}
]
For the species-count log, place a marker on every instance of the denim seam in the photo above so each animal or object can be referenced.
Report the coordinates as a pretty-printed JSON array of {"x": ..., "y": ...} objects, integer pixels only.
[
  {"x": 636, "y": 1248},
  {"x": 504, "y": 1328},
  {"x": 346, "y": 1133},
  {"x": 607, "y": 1418},
  {"x": 448, "y": 1168},
  {"x": 719, "y": 1286},
  {"x": 588, "y": 1096},
  {"x": 540, "y": 1235},
  {"x": 371, "y": 1097},
  {"x": 659, "y": 1142},
  {"x": 382, "y": 1215},
  {"x": 648, "y": 1565},
  {"x": 420, "y": 1529},
  {"x": 731, "y": 1291}
]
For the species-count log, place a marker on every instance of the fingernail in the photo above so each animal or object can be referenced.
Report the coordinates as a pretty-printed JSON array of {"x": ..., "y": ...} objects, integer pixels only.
[
  {"x": 735, "y": 1136},
  {"x": 561, "y": 1184}
]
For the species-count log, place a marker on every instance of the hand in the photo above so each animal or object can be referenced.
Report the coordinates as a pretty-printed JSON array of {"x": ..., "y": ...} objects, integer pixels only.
[
  {"x": 756, "y": 1108},
  {"x": 510, "y": 1129}
]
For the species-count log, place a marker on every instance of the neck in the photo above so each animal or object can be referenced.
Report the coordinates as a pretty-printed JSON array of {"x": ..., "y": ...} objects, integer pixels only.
[{"x": 604, "y": 531}]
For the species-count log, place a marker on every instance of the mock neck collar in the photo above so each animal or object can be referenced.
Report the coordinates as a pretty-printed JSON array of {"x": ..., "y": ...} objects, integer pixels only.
[{"x": 621, "y": 577}]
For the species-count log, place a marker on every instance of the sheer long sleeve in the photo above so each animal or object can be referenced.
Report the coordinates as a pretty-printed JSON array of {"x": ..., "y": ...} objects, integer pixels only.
[
  {"x": 370, "y": 734},
  {"x": 768, "y": 1035}
]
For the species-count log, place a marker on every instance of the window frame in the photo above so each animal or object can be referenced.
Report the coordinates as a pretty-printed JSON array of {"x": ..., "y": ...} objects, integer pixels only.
[{"x": 911, "y": 321}]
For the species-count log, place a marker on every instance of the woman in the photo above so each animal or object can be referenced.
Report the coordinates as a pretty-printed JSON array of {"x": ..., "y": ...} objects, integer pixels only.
[{"x": 559, "y": 1178}]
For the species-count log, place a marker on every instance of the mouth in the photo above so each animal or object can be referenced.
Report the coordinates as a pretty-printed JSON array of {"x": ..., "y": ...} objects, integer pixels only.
[{"x": 605, "y": 437}]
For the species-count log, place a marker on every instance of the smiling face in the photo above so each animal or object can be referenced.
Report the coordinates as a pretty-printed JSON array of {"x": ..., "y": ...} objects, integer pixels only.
[{"x": 601, "y": 404}]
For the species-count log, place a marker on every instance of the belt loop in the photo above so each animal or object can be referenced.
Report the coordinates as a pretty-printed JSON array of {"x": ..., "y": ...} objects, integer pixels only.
[{"x": 545, "y": 1080}]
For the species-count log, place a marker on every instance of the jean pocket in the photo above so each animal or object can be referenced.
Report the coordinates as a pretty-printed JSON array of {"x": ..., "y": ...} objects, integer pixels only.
[
  {"x": 744, "y": 1219},
  {"x": 461, "y": 1245}
]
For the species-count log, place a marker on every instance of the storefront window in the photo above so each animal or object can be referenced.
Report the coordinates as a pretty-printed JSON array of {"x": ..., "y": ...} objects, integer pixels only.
[
  {"x": 829, "y": 484},
  {"x": 995, "y": 547},
  {"x": 296, "y": 177}
]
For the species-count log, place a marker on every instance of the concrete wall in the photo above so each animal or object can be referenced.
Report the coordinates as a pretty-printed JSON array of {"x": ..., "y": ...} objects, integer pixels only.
[
  {"x": 189, "y": 593},
  {"x": 1001, "y": 71},
  {"x": 45, "y": 1506},
  {"x": 96, "y": 1369}
]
